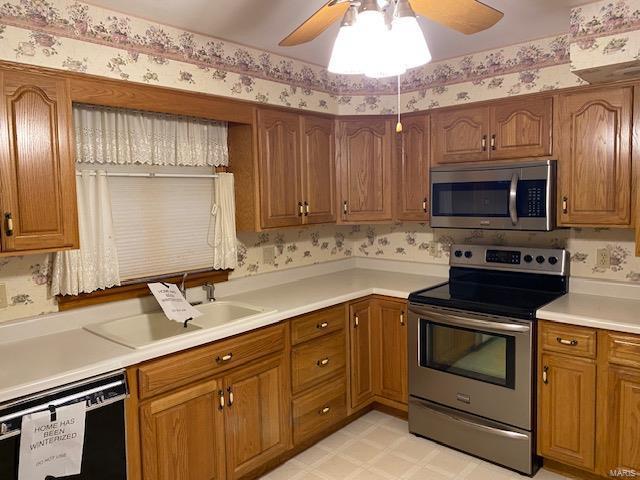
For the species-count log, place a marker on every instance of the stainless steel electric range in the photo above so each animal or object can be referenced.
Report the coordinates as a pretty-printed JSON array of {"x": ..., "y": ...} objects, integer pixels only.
[{"x": 472, "y": 351}]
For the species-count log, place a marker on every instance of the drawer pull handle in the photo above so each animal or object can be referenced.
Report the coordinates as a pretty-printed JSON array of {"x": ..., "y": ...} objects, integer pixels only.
[
  {"x": 322, "y": 325},
  {"x": 324, "y": 410},
  {"x": 562, "y": 341},
  {"x": 224, "y": 358},
  {"x": 565, "y": 205},
  {"x": 9, "y": 221},
  {"x": 402, "y": 318},
  {"x": 484, "y": 143},
  {"x": 356, "y": 321},
  {"x": 221, "y": 399},
  {"x": 424, "y": 205},
  {"x": 323, "y": 363},
  {"x": 545, "y": 375},
  {"x": 300, "y": 209},
  {"x": 230, "y": 402}
]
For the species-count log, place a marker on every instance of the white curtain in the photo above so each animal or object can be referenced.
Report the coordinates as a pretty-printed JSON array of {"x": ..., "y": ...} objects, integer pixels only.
[
  {"x": 223, "y": 213},
  {"x": 95, "y": 265},
  {"x": 128, "y": 137}
]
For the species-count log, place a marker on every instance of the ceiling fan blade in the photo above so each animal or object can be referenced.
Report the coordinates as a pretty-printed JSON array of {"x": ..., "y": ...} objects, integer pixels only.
[
  {"x": 317, "y": 23},
  {"x": 466, "y": 16}
]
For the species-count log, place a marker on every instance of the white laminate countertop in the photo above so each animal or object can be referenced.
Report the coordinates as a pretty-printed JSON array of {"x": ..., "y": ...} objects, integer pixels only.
[
  {"x": 30, "y": 365},
  {"x": 597, "y": 311}
]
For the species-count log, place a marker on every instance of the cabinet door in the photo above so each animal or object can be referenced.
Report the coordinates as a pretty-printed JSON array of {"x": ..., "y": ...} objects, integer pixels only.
[
  {"x": 257, "y": 415},
  {"x": 37, "y": 169},
  {"x": 318, "y": 169},
  {"x": 460, "y": 135},
  {"x": 521, "y": 128},
  {"x": 392, "y": 350},
  {"x": 413, "y": 170},
  {"x": 278, "y": 147},
  {"x": 623, "y": 420},
  {"x": 365, "y": 170},
  {"x": 595, "y": 157},
  {"x": 183, "y": 435},
  {"x": 361, "y": 346},
  {"x": 566, "y": 426}
]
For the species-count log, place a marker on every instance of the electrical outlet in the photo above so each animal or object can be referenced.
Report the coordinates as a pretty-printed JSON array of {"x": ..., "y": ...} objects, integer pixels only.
[
  {"x": 603, "y": 258},
  {"x": 433, "y": 248},
  {"x": 269, "y": 255},
  {"x": 3, "y": 296}
]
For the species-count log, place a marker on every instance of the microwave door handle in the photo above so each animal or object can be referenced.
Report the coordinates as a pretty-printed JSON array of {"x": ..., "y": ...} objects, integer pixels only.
[{"x": 513, "y": 197}]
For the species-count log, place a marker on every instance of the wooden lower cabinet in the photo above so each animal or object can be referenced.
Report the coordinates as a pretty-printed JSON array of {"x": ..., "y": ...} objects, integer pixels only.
[
  {"x": 257, "y": 425},
  {"x": 589, "y": 408},
  {"x": 568, "y": 410},
  {"x": 182, "y": 435},
  {"x": 361, "y": 346},
  {"x": 391, "y": 350}
]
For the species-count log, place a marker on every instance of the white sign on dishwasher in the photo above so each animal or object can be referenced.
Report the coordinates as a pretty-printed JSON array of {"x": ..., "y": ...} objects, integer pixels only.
[
  {"x": 51, "y": 443},
  {"x": 173, "y": 304}
]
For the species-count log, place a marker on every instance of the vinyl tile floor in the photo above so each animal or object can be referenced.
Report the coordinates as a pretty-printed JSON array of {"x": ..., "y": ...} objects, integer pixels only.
[{"x": 379, "y": 447}]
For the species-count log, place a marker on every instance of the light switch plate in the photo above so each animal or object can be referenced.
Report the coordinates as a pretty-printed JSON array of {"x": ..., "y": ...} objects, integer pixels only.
[
  {"x": 269, "y": 255},
  {"x": 3, "y": 296}
]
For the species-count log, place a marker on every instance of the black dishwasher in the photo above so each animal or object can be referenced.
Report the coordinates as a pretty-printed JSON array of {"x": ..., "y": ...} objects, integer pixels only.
[{"x": 104, "y": 454}]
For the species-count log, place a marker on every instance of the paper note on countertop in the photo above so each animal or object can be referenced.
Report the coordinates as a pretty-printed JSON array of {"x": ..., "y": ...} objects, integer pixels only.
[
  {"x": 52, "y": 448},
  {"x": 173, "y": 304}
]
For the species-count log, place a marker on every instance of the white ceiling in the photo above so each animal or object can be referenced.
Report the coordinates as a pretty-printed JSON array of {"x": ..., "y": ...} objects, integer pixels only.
[{"x": 263, "y": 23}]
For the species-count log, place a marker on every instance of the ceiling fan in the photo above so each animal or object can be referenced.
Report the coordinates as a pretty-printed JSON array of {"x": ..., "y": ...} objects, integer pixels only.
[{"x": 465, "y": 16}]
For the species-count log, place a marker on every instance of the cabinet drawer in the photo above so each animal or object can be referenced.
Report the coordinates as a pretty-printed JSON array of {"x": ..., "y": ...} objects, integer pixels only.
[
  {"x": 624, "y": 349},
  {"x": 569, "y": 339},
  {"x": 316, "y": 361},
  {"x": 317, "y": 324},
  {"x": 182, "y": 368},
  {"x": 317, "y": 410}
]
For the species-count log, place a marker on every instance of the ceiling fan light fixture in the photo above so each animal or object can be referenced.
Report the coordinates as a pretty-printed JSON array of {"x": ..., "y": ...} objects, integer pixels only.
[
  {"x": 343, "y": 61},
  {"x": 386, "y": 62},
  {"x": 409, "y": 38}
]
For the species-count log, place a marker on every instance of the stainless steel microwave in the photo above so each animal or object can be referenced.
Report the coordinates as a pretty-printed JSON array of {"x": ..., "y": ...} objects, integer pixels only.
[{"x": 500, "y": 196}]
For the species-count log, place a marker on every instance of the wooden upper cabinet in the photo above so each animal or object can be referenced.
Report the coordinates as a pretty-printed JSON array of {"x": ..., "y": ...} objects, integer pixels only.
[
  {"x": 460, "y": 135},
  {"x": 257, "y": 415},
  {"x": 622, "y": 420},
  {"x": 412, "y": 185},
  {"x": 37, "y": 169},
  {"x": 595, "y": 157},
  {"x": 567, "y": 409},
  {"x": 279, "y": 168},
  {"x": 361, "y": 318},
  {"x": 182, "y": 435},
  {"x": 365, "y": 169},
  {"x": 392, "y": 354},
  {"x": 521, "y": 128},
  {"x": 318, "y": 169}
]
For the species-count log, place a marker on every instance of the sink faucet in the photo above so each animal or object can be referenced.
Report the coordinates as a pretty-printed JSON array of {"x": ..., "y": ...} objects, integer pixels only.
[
  {"x": 181, "y": 287},
  {"x": 210, "y": 288}
]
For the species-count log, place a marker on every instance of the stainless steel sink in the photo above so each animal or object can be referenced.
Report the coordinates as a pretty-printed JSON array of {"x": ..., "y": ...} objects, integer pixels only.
[{"x": 142, "y": 331}]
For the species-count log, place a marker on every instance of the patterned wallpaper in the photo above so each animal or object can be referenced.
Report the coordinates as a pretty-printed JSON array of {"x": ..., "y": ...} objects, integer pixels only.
[{"x": 27, "y": 277}]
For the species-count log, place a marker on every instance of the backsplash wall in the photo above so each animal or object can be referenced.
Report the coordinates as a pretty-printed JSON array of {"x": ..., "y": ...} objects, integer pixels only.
[{"x": 27, "y": 277}]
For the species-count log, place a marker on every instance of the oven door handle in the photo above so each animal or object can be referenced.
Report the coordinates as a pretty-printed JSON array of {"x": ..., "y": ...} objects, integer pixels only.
[
  {"x": 457, "y": 320},
  {"x": 513, "y": 198},
  {"x": 479, "y": 426}
]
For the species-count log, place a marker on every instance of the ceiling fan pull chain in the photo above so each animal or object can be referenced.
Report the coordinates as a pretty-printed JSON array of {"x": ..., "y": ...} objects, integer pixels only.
[{"x": 399, "y": 124}]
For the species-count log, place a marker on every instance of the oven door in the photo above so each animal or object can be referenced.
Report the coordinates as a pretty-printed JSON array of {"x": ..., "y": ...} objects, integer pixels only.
[
  {"x": 513, "y": 198},
  {"x": 480, "y": 364}
]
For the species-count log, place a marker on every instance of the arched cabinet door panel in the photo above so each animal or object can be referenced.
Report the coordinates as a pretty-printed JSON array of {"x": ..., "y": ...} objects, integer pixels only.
[
  {"x": 37, "y": 169},
  {"x": 412, "y": 151},
  {"x": 461, "y": 135},
  {"x": 595, "y": 157}
]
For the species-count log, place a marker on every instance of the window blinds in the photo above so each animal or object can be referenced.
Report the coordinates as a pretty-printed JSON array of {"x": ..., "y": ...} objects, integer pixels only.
[{"x": 162, "y": 225}]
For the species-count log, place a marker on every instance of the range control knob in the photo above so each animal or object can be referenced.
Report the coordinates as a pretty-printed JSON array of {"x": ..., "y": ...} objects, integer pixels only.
[
  {"x": 553, "y": 260},
  {"x": 540, "y": 259},
  {"x": 468, "y": 254},
  {"x": 528, "y": 258},
  {"x": 458, "y": 253}
]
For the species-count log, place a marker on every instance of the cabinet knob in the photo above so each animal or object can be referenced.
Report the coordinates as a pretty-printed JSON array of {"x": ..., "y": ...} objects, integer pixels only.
[
  {"x": 545, "y": 375},
  {"x": 323, "y": 363},
  {"x": 324, "y": 411},
  {"x": 9, "y": 224},
  {"x": 224, "y": 358},
  {"x": 565, "y": 204},
  {"x": 322, "y": 325},
  {"x": 571, "y": 343}
]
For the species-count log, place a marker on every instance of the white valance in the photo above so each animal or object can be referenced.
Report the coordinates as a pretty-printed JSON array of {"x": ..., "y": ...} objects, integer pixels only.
[{"x": 128, "y": 137}]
